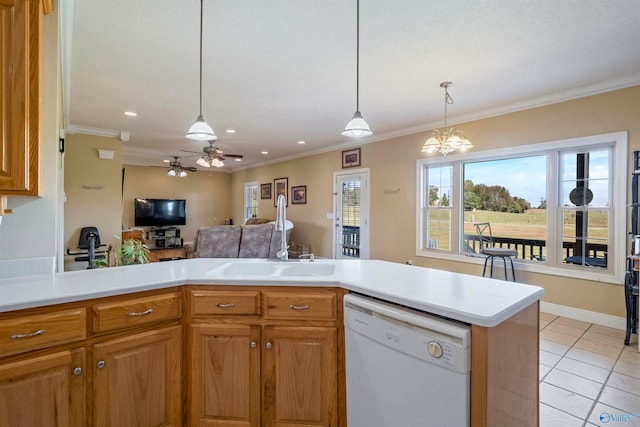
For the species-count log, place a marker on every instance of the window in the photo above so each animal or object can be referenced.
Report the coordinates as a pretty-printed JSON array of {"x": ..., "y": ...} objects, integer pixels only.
[
  {"x": 251, "y": 197},
  {"x": 556, "y": 203}
]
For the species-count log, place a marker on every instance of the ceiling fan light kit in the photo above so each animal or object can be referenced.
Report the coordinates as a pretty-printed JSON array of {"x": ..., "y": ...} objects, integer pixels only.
[
  {"x": 200, "y": 130},
  {"x": 357, "y": 126},
  {"x": 449, "y": 140}
]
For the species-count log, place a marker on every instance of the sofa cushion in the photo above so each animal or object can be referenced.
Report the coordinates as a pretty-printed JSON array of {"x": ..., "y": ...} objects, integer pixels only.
[
  {"x": 218, "y": 242},
  {"x": 254, "y": 221},
  {"x": 255, "y": 241}
]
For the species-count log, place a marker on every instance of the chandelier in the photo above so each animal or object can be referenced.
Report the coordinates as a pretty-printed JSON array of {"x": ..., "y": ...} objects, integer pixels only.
[
  {"x": 449, "y": 140},
  {"x": 177, "y": 171},
  {"x": 207, "y": 162}
]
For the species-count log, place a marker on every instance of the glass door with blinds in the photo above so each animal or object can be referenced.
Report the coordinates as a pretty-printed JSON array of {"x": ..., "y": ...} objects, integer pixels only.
[{"x": 351, "y": 214}]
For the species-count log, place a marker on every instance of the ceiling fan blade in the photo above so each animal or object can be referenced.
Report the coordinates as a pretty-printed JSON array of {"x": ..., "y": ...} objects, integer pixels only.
[
  {"x": 194, "y": 152},
  {"x": 190, "y": 168},
  {"x": 235, "y": 156}
]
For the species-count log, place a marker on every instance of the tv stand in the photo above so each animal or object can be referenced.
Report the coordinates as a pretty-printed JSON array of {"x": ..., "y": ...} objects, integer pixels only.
[{"x": 164, "y": 238}]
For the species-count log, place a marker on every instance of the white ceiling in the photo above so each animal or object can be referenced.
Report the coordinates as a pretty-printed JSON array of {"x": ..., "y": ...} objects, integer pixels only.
[{"x": 280, "y": 71}]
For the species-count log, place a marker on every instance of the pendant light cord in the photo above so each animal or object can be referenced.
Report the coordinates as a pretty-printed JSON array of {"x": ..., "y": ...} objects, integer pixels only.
[
  {"x": 201, "y": 13},
  {"x": 358, "y": 56}
]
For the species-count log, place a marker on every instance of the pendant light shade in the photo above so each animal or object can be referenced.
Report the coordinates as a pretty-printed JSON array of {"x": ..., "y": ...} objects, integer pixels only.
[
  {"x": 357, "y": 127},
  {"x": 200, "y": 130}
]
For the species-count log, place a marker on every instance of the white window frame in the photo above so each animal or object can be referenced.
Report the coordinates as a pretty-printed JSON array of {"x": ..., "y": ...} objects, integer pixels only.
[
  {"x": 618, "y": 218},
  {"x": 249, "y": 188}
]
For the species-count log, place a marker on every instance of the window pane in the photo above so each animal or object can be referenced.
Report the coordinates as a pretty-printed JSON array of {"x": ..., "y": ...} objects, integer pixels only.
[
  {"x": 585, "y": 178},
  {"x": 510, "y": 194},
  {"x": 585, "y": 183},
  {"x": 437, "y": 234},
  {"x": 439, "y": 229}
]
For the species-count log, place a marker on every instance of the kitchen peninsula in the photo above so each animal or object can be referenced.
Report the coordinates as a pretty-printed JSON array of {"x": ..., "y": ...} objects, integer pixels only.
[{"x": 181, "y": 317}]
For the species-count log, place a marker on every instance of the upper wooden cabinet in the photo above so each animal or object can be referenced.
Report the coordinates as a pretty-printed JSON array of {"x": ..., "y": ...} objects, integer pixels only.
[{"x": 19, "y": 96}]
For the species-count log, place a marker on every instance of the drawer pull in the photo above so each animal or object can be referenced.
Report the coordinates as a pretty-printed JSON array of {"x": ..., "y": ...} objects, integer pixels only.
[
  {"x": 300, "y": 307},
  {"x": 141, "y": 313},
  {"x": 29, "y": 335},
  {"x": 230, "y": 305}
]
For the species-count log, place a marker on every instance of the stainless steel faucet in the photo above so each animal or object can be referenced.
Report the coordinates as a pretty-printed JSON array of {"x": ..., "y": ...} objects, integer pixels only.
[{"x": 281, "y": 226}]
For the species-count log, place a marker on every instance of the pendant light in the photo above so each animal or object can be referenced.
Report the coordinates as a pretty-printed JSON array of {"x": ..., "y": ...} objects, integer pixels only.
[
  {"x": 357, "y": 127},
  {"x": 200, "y": 130}
]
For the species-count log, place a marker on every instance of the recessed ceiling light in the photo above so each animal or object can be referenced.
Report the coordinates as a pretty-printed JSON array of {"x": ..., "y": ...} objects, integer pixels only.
[
  {"x": 167, "y": 161},
  {"x": 231, "y": 131},
  {"x": 131, "y": 113},
  {"x": 265, "y": 152},
  {"x": 238, "y": 160},
  {"x": 302, "y": 142}
]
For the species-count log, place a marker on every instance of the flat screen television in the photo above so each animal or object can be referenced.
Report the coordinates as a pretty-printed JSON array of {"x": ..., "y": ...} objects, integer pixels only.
[{"x": 159, "y": 212}]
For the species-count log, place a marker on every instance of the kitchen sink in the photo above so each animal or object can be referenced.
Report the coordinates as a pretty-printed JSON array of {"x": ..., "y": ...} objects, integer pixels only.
[{"x": 291, "y": 268}]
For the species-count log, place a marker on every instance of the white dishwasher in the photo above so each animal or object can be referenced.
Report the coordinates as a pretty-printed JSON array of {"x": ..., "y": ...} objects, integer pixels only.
[{"x": 404, "y": 368}]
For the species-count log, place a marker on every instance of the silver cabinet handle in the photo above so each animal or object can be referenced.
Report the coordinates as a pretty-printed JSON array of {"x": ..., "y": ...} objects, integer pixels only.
[
  {"x": 101, "y": 364},
  {"x": 29, "y": 335},
  {"x": 269, "y": 345},
  {"x": 140, "y": 313},
  {"x": 77, "y": 371},
  {"x": 230, "y": 305},
  {"x": 300, "y": 307},
  {"x": 253, "y": 344}
]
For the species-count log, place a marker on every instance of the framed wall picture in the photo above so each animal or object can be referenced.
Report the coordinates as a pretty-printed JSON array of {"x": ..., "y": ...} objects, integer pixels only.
[
  {"x": 299, "y": 195},
  {"x": 265, "y": 191},
  {"x": 351, "y": 158},
  {"x": 280, "y": 186}
]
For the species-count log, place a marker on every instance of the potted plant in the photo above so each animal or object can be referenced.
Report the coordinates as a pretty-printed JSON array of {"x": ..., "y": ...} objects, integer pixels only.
[{"x": 129, "y": 251}]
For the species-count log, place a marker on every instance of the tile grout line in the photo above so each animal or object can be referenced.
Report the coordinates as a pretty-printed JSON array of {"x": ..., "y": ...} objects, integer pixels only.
[{"x": 596, "y": 400}]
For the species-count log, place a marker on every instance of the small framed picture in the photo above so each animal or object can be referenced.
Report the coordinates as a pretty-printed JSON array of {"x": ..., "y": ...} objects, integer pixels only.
[
  {"x": 299, "y": 195},
  {"x": 280, "y": 186},
  {"x": 351, "y": 158},
  {"x": 265, "y": 191}
]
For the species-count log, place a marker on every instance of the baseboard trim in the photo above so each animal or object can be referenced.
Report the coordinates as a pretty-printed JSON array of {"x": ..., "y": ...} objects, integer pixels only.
[{"x": 594, "y": 317}]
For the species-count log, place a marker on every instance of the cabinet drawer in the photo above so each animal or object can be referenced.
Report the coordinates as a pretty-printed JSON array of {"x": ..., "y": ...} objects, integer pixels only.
[
  {"x": 300, "y": 305},
  {"x": 136, "y": 311},
  {"x": 205, "y": 302},
  {"x": 42, "y": 330}
]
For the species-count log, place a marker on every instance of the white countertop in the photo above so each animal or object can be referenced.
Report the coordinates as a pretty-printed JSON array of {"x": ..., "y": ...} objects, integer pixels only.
[{"x": 470, "y": 299}]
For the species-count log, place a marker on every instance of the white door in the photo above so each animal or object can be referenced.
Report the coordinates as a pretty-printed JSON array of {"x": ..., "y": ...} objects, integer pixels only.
[{"x": 351, "y": 214}]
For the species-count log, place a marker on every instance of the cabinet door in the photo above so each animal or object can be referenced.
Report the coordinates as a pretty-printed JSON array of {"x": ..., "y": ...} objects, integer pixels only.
[
  {"x": 225, "y": 375},
  {"x": 44, "y": 391},
  {"x": 300, "y": 378},
  {"x": 19, "y": 96},
  {"x": 137, "y": 380}
]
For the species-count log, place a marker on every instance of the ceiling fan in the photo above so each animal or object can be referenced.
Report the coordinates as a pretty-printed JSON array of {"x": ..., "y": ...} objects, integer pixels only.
[
  {"x": 214, "y": 156},
  {"x": 176, "y": 168}
]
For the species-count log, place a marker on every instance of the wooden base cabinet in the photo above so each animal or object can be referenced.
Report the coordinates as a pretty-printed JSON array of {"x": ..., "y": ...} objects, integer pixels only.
[
  {"x": 137, "y": 380},
  {"x": 46, "y": 390},
  {"x": 300, "y": 376},
  {"x": 273, "y": 363},
  {"x": 225, "y": 375}
]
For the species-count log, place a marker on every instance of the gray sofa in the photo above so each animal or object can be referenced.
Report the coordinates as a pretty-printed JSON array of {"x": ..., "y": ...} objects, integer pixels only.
[{"x": 237, "y": 241}]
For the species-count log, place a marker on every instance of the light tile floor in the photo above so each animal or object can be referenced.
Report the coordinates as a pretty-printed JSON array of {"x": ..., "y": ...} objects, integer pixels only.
[{"x": 588, "y": 377}]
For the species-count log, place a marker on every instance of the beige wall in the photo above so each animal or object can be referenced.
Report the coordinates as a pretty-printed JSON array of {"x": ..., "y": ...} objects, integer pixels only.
[
  {"x": 93, "y": 190},
  {"x": 206, "y": 192},
  {"x": 311, "y": 225},
  {"x": 392, "y": 165}
]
